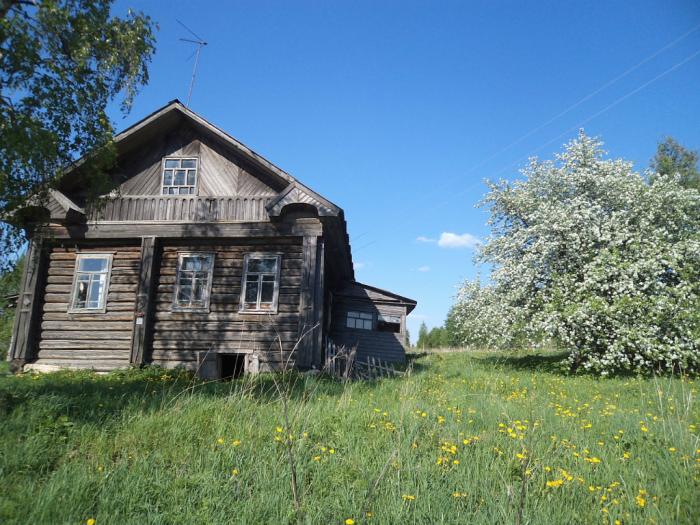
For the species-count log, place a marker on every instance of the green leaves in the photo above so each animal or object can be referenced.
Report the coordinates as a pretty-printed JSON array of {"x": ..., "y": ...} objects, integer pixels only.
[
  {"x": 672, "y": 159},
  {"x": 61, "y": 63}
]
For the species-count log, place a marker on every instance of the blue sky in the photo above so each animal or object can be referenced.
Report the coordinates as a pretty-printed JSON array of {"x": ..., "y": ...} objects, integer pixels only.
[{"x": 397, "y": 111}]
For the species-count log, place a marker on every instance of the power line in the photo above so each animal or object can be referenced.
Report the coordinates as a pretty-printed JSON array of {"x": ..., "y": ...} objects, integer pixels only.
[
  {"x": 586, "y": 98},
  {"x": 581, "y": 123},
  {"x": 608, "y": 107}
]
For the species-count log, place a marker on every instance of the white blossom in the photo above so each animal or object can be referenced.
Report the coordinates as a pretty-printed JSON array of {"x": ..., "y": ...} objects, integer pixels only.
[{"x": 585, "y": 251}]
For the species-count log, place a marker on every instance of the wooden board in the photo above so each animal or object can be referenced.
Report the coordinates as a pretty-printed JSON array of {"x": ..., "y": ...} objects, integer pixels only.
[
  {"x": 74, "y": 339},
  {"x": 223, "y": 327}
]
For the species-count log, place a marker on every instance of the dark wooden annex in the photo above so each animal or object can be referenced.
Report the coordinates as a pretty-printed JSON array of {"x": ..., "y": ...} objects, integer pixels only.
[{"x": 206, "y": 255}]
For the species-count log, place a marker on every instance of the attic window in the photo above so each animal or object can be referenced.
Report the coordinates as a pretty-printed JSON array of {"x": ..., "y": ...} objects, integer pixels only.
[{"x": 179, "y": 176}]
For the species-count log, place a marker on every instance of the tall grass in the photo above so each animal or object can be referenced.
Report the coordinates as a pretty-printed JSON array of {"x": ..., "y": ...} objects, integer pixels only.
[{"x": 465, "y": 438}]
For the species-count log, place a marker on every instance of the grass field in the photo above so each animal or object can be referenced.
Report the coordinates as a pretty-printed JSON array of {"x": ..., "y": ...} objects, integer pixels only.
[{"x": 466, "y": 438}]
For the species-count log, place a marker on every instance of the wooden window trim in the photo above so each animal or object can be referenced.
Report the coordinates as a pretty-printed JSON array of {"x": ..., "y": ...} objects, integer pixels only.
[
  {"x": 72, "y": 309},
  {"x": 276, "y": 291},
  {"x": 373, "y": 320},
  {"x": 196, "y": 175},
  {"x": 200, "y": 309}
]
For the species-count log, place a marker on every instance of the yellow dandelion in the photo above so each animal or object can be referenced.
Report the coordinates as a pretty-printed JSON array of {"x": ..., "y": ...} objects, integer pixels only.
[
  {"x": 91, "y": 521},
  {"x": 555, "y": 483},
  {"x": 236, "y": 442},
  {"x": 408, "y": 497},
  {"x": 234, "y": 472},
  {"x": 220, "y": 441},
  {"x": 349, "y": 521},
  {"x": 640, "y": 499},
  {"x": 279, "y": 430}
]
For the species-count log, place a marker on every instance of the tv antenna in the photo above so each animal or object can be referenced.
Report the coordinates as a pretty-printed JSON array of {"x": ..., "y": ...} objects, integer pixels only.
[{"x": 200, "y": 43}]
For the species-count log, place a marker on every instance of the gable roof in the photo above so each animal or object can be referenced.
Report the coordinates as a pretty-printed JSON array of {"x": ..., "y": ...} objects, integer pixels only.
[
  {"x": 359, "y": 290},
  {"x": 134, "y": 134},
  {"x": 175, "y": 107}
]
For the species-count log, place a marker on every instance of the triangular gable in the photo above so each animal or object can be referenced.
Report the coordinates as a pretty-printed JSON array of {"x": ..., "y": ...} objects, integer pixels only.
[
  {"x": 137, "y": 137},
  {"x": 143, "y": 129}
]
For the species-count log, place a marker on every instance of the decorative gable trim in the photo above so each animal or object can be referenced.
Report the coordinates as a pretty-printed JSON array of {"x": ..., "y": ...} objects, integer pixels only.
[
  {"x": 61, "y": 207},
  {"x": 297, "y": 193}
]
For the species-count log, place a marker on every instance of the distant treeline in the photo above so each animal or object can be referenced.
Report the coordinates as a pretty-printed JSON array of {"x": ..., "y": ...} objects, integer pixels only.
[{"x": 445, "y": 336}]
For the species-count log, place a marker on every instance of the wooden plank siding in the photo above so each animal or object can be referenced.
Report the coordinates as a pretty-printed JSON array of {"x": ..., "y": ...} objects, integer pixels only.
[
  {"x": 184, "y": 208},
  {"x": 178, "y": 336},
  {"x": 88, "y": 340},
  {"x": 220, "y": 173},
  {"x": 387, "y": 346}
]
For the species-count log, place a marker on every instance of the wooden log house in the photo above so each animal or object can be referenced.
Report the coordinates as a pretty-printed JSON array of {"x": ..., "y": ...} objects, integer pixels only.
[{"x": 208, "y": 257}]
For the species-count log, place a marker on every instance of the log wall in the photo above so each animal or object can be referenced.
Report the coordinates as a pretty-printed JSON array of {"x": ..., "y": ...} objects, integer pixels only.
[
  {"x": 88, "y": 340},
  {"x": 178, "y": 337}
]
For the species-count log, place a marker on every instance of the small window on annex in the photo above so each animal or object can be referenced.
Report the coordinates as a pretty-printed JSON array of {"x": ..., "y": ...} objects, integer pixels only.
[
  {"x": 389, "y": 323},
  {"x": 179, "y": 176},
  {"x": 91, "y": 282},
  {"x": 193, "y": 286},
  {"x": 361, "y": 320},
  {"x": 260, "y": 287}
]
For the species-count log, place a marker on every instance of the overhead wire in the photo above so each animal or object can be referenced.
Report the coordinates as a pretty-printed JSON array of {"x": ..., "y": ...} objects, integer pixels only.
[{"x": 567, "y": 110}]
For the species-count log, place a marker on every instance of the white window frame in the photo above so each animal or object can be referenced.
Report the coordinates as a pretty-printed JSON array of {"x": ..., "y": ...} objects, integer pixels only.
[
  {"x": 358, "y": 317},
  {"x": 177, "y": 307},
  {"x": 276, "y": 290},
  {"x": 180, "y": 158},
  {"x": 102, "y": 307}
]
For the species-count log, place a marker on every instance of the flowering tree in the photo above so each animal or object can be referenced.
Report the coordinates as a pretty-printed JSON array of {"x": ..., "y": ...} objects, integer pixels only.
[{"x": 583, "y": 250}]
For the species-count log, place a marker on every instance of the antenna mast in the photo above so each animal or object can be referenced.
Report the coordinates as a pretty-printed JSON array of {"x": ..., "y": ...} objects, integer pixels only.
[{"x": 200, "y": 44}]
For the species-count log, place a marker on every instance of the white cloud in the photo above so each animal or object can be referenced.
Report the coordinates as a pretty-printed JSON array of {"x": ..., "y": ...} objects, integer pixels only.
[
  {"x": 422, "y": 238},
  {"x": 423, "y": 268},
  {"x": 358, "y": 265},
  {"x": 454, "y": 240}
]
